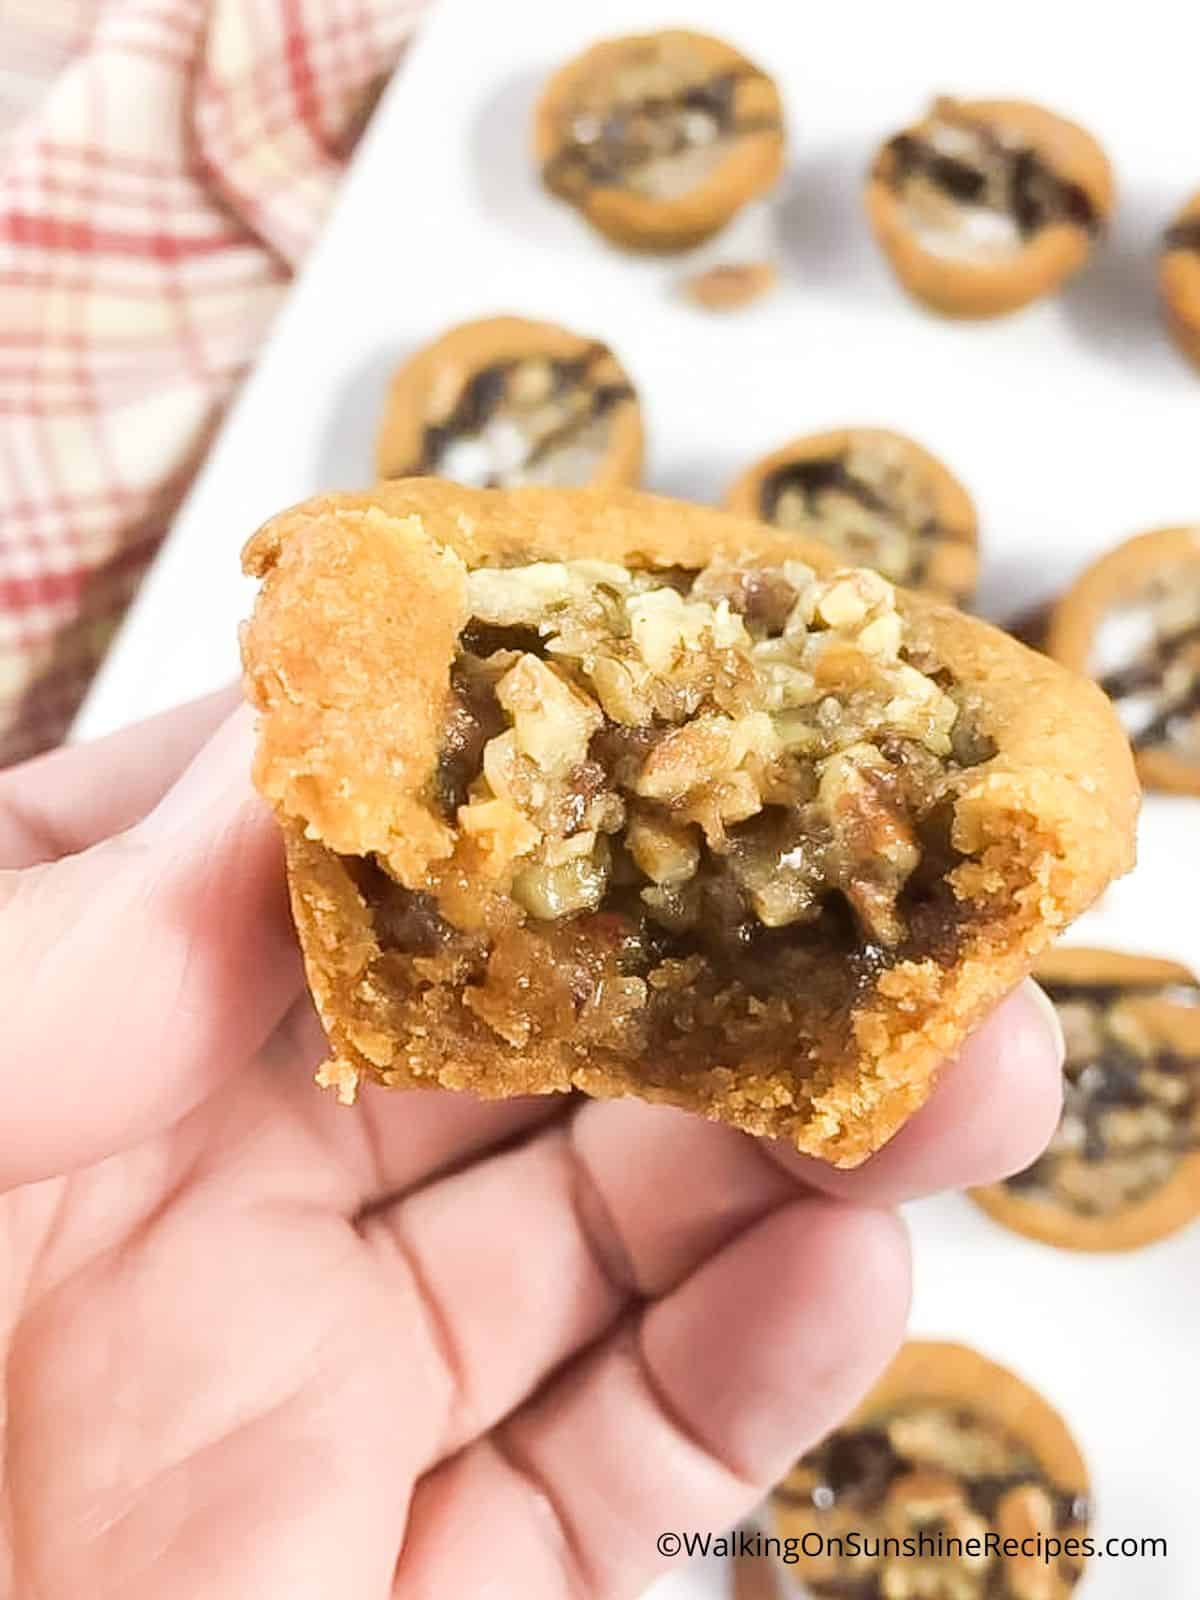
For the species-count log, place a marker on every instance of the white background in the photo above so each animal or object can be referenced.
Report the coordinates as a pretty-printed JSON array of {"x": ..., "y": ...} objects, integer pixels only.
[{"x": 1074, "y": 425}]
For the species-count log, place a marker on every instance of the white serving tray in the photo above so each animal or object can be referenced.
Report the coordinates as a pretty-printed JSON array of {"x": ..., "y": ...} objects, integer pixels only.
[{"x": 1073, "y": 424}]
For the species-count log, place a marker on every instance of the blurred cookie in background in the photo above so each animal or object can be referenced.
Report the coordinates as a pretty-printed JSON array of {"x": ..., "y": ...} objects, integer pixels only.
[
  {"x": 1123, "y": 1168},
  {"x": 1179, "y": 279},
  {"x": 878, "y": 498},
  {"x": 504, "y": 402},
  {"x": 985, "y": 205},
  {"x": 1132, "y": 622},
  {"x": 658, "y": 139},
  {"x": 949, "y": 1444}
]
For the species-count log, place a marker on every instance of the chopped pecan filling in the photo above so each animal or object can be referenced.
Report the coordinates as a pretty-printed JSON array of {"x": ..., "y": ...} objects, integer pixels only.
[
  {"x": 535, "y": 420},
  {"x": 1154, "y": 641},
  {"x": 935, "y": 1469},
  {"x": 674, "y": 792},
  {"x": 869, "y": 504},
  {"x": 976, "y": 188},
  {"x": 1132, "y": 1105},
  {"x": 659, "y": 125}
]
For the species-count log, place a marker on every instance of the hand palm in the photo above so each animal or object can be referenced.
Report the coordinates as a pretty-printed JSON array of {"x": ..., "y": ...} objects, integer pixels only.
[{"x": 278, "y": 1349}]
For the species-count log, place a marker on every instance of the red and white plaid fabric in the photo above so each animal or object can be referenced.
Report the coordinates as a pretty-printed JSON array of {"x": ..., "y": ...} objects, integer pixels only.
[{"x": 164, "y": 166}]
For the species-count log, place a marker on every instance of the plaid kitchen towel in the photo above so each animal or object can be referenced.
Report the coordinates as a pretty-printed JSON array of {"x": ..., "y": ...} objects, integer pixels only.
[{"x": 164, "y": 166}]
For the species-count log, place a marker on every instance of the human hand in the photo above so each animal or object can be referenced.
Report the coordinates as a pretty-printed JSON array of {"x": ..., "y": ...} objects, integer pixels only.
[{"x": 260, "y": 1346}]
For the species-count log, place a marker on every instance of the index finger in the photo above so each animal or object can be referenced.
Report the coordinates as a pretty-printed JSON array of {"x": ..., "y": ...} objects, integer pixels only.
[
  {"x": 70, "y": 798},
  {"x": 135, "y": 976}
]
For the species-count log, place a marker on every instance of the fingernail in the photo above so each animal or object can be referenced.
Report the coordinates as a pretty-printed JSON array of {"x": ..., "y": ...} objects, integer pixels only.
[
  {"x": 1049, "y": 1013},
  {"x": 216, "y": 783}
]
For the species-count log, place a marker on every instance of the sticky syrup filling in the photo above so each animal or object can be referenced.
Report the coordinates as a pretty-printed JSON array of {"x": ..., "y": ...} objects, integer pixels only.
[
  {"x": 658, "y": 125},
  {"x": 533, "y": 420},
  {"x": 976, "y": 188},
  {"x": 1131, "y": 1110},
  {"x": 933, "y": 1467},
  {"x": 868, "y": 503},
  {"x": 688, "y": 806}
]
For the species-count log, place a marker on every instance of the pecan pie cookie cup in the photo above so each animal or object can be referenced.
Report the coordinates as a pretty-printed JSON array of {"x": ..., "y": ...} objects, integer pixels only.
[
  {"x": 947, "y": 1444},
  {"x": 608, "y": 792},
  {"x": 986, "y": 205},
  {"x": 1179, "y": 279},
  {"x": 1132, "y": 621},
  {"x": 1123, "y": 1168},
  {"x": 505, "y": 401},
  {"x": 877, "y": 499},
  {"x": 658, "y": 139}
]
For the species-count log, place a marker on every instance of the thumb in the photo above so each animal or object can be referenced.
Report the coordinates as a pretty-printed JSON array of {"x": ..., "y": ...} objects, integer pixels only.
[{"x": 136, "y": 975}]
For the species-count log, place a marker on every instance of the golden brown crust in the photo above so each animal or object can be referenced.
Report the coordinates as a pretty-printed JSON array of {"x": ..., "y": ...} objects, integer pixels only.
[
  {"x": 752, "y": 164},
  {"x": 1048, "y": 821},
  {"x": 426, "y": 388},
  {"x": 1175, "y": 1203},
  {"x": 1179, "y": 282},
  {"x": 1076, "y": 619},
  {"x": 963, "y": 287},
  {"x": 954, "y": 562}
]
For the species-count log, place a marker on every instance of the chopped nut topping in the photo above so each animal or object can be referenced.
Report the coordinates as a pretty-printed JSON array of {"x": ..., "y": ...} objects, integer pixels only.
[
  {"x": 735, "y": 676},
  {"x": 1131, "y": 1110},
  {"x": 708, "y": 758},
  {"x": 935, "y": 1468}
]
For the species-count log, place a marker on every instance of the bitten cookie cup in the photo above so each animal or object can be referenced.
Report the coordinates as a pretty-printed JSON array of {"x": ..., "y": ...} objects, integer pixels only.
[
  {"x": 505, "y": 401},
  {"x": 877, "y": 499},
  {"x": 985, "y": 205},
  {"x": 949, "y": 1443},
  {"x": 659, "y": 138},
  {"x": 1123, "y": 1169},
  {"x": 1132, "y": 621},
  {"x": 1179, "y": 279},
  {"x": 606, "y": 792}
]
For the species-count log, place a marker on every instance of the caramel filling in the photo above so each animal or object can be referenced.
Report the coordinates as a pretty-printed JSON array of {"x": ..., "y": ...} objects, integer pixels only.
[
  {"x": 1148, "y": 658},
  {"x": 869, "y": 503},
  {"x": 977, "y": 189},
  {"x": 932, "y": 1467},
  {"x": 676, "y": 796},
  {"x": 1131, "y": 1110},
  {"x": 658, "y": 125},
  {"x": 529, "y": 421}
]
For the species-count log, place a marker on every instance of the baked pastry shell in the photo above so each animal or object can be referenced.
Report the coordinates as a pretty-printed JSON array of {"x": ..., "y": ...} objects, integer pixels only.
[{"x": 347, "y": 658}]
